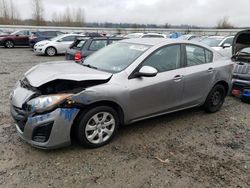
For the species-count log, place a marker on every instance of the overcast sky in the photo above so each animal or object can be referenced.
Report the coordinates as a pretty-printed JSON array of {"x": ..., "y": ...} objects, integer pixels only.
[{"x": 193, "y": 12}]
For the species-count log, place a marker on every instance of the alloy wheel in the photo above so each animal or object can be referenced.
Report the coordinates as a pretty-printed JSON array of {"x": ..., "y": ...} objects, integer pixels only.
[{"x": 100, "y": 127}]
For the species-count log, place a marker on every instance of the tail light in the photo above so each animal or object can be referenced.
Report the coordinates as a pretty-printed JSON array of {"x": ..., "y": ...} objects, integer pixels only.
[{"x": 78, "y": 56}]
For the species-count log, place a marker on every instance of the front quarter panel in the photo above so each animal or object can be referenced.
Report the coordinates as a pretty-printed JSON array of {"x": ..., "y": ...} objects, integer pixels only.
[{"x": 115, "y": 91}]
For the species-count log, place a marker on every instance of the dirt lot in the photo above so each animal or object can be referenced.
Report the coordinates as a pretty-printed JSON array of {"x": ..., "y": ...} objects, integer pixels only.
[{"x": 198, "y": 149}]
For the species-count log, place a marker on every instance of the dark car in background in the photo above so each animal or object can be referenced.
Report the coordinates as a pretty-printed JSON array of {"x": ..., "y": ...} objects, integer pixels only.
[
  {"x": 241, "y": 73},
  {"x": 42, "y": 35},
  {"x": 85, "y": 46},
  {"x": 18, "y": 38}
]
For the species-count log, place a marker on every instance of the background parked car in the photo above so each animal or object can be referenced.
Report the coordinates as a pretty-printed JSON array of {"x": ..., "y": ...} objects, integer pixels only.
[
  {"x": 85, "y": 46},
  {"x": 222, "y": 44},
  {"x": 145, "y": 35},
  {"x": 241, "y": 73},
  {"x": 42, "y": 35},
  {"x": 56, "y": 45},
  {"x": 188, "y": 37},
  {"x": 18, "y": 38}
]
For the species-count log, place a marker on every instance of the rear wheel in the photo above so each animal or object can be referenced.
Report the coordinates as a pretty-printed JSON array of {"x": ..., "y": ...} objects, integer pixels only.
[
  {"x": 215, "y": 99},
  {"x": 9, "y": 44},
  {"x": 50, "y": 51},
  {"x": 97, "y": 126}
]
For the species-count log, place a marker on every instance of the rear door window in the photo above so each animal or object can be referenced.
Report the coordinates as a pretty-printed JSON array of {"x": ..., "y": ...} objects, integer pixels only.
[
  {"x": 97, "y": 44},
  {"x": 195, "y": 55}
]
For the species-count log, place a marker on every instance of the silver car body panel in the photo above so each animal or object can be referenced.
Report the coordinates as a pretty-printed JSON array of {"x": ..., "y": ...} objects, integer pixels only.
[
  {"x": 63, "y": 70},
  {"x": 138, "y": 98}
]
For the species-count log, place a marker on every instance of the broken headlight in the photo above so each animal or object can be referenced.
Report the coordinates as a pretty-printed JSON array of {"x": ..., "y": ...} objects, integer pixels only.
[{"x": 46, "y": 103}]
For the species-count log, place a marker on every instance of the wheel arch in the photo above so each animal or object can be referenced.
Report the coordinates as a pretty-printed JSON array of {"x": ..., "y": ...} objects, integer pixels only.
[
  {"x": 224, "y": 84},
  {"x": 111, "y": 104}
]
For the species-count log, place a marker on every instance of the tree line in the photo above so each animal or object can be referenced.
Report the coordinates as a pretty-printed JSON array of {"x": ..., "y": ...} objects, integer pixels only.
[{"x": 74, "y": 17}]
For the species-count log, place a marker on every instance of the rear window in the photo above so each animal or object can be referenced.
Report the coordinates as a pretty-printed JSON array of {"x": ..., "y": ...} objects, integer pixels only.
[
  {"x": 97, "y": 44},
  {"x": 78, "y": 44}
]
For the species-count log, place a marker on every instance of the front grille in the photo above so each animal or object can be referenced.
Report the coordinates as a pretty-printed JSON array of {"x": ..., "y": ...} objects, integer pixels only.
[
  {"x": 20, "y": 117},
  {"x": 242, "y": 69}
]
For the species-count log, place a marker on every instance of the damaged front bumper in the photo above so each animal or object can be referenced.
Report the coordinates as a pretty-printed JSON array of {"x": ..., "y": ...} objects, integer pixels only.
[{"x": 49, "y": 130}]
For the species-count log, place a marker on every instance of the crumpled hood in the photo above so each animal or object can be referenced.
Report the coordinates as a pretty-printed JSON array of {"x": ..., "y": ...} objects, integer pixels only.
[{"x": 63, "y": 70}]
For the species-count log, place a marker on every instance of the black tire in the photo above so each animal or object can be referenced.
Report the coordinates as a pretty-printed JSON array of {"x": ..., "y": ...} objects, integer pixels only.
[
  {"x": 215, "y": 99},
  {"x": 84, "y": 120},
  {"x": 9, "y": 44},
  {"x": 50, "y": 51}
]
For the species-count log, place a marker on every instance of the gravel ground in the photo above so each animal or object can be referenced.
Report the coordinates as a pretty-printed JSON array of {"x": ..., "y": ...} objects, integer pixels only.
[{"x": 184, "y": 149}]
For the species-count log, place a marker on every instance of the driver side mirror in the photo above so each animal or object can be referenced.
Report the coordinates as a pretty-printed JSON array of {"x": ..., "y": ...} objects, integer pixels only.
[
  {"x": 226, "y": 45},
  {"x": 146, "y": 71},
  {"x": 60, "y": 40}
]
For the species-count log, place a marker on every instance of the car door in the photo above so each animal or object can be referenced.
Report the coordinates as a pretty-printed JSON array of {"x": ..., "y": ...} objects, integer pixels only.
[
  {"x": 153, "y": 95},
  {"x": 64, "y": 43},
  {"x": 199, "y": 74},
  {"x": 22, "y": 38}
]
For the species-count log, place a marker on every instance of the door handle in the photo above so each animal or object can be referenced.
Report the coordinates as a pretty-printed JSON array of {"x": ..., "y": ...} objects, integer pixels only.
[
  {"x": 210, "y": 70},
  {"x": 178, "y": 78}
]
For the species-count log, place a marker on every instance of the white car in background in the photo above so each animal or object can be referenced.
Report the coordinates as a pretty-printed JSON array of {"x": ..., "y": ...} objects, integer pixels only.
[
  {"x": 56, "y": 45},
  {"x": 222, "y": 44},
  {"x": 145, "y": 35}
]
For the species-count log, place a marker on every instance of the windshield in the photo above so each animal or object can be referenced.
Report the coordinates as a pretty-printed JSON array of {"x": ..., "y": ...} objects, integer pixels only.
[
  {"x": 115, "y": 57},
  {"x": 212, "y": 42}
]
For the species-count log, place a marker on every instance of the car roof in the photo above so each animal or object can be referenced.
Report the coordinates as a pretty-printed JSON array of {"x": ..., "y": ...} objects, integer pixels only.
[
  {"x": 153, "y": 41},
  {"x": 219, "y": 37},
  {"x": 65, "y": 35},
  {"x": 86, "y": 38}
]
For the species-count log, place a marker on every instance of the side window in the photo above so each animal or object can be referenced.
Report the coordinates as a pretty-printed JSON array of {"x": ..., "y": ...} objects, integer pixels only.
[
  {"x": 80, "y": 43},
  {"x": 22, "y": 33},
  {"x": 195, "y": 55},
  {"x": 50, "y": 33},
  {"x": 68, "y": 38},
  {"x": 165, "y": 59},
  {"x": 209, "y": 56},
  {"x": 228, "y": 41},
  {"x": 97, "y": 44}
]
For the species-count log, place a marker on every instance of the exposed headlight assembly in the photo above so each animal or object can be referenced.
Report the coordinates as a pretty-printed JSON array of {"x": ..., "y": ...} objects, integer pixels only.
[{"x": 46, "y": 103}]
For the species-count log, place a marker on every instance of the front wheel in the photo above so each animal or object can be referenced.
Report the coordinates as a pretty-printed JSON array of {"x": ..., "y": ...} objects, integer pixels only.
[
  {"x": 215, "y": 99},
  {"x": 9, "y": 44},
  {"x": 97, "y": 126},
  {"x": 50, "y": 51}
]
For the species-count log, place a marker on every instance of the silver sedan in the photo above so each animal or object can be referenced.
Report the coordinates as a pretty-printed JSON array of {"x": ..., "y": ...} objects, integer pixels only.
[{"x": 125, "y": 82}]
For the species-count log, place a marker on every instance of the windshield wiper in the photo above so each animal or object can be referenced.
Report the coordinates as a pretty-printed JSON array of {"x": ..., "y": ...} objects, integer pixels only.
[{"x": 90, "y": 66}]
